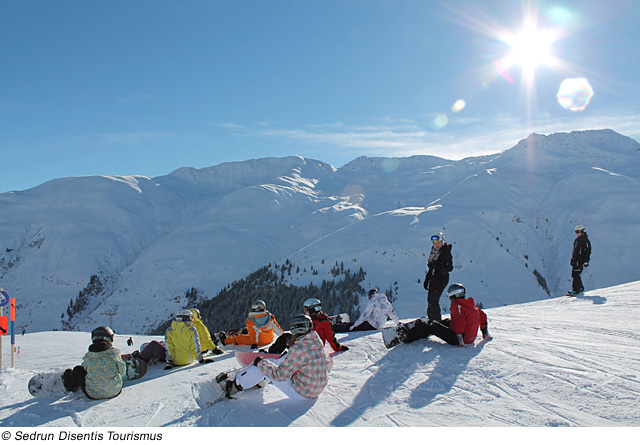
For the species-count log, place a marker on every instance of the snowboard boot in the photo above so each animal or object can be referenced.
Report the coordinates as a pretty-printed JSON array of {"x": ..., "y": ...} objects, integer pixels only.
[
  {"x": 218, "y": 339},
  {"x": 228, "y": 385},
  {"x": 401, "y": 332},
  {"x": 69, "y": 381}
]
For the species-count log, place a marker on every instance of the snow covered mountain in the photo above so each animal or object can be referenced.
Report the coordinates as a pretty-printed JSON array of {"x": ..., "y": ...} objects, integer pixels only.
[
  {"x": 510, "y": 218},
  {"x": 566, "y": 361}
]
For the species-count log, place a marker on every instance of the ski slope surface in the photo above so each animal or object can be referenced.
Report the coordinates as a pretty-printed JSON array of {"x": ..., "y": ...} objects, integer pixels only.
[{"x": 565, "y": 361}]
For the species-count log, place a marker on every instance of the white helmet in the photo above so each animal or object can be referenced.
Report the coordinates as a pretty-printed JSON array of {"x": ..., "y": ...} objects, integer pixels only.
[
  {"x": 456, "y": 291},
  {"x": 258, "y": 306},
  {"x": 184, "y": 315},
  {"x": 312, "y": 305},
  {"x": 301, "y": 324},
  {"x": 579, "y": 228}
]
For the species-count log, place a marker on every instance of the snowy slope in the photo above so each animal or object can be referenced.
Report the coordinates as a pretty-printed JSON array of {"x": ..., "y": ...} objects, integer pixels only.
[
  {"x": 509, "y": 216},
  {"x": 560, "y": 362}
]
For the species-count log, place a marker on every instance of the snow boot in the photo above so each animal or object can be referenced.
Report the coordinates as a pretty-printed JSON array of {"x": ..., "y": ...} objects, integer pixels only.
[
  {"x": 69, "y": 381},
  {"x": 228, "y": 385}
]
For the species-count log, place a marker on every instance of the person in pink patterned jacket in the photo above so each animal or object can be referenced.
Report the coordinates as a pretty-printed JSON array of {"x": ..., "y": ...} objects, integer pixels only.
[{"x": 301, "y": 373}]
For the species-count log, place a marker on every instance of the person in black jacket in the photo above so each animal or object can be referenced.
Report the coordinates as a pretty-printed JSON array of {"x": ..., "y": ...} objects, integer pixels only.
[
  {"x": 579, "y": 258},
  {"x": 439, "y": 264}
]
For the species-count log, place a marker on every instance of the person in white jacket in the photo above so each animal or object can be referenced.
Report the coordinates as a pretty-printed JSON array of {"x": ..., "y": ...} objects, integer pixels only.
[{"x": 375, "y": 315}]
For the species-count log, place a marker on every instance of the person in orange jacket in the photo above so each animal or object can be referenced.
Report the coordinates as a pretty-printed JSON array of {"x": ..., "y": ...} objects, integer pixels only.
[
  {"x": 260, "y": 329},
  {"x": 321, "y": 324}
]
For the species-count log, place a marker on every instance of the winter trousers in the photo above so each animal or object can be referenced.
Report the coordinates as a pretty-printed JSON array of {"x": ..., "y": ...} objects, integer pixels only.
[
  {"x": 577, "y": 280},
  {"x": 251, "y": 376},
  {"x": 437, "y": 284},
  {"x": 420, "y": 329},
  {"x": 344, "y": 327},
  {"x": 154, "y": 352}
]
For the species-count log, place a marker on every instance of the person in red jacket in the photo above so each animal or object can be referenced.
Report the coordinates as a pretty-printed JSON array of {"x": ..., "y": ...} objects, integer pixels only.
[
  {"x": 321, "y": 324},
  {"x": 460, "y": 330}
]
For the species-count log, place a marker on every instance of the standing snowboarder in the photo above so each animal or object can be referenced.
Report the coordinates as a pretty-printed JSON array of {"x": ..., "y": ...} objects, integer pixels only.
[
  {"x": 439, "y": 264},
  {"x": 579, "y": 259}
]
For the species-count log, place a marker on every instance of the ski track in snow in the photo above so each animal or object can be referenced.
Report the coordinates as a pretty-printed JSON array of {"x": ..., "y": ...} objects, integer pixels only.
[{"x": 568, "y": 361}]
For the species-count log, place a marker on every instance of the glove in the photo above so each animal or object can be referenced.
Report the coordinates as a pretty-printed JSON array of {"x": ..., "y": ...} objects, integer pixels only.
[
  {"x": 254, "y": 346},
  {"x": 169, "y": 365},
  {"x": 461, "y": 341},
  {"x": 344, "y": 348},
  {"x": 485, "y": 333},
  {"x": 586, "y": 264},
  {"x": 257, "y": 360},
  {"x": 425, "y": 284},
  {"x": 217, "y": 351},
  {"x": 206, "y": 360}
]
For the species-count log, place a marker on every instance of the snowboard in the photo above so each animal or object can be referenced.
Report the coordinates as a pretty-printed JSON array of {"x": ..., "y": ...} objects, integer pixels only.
[
  {"x": 246, "y": 358},
  {"x": 50, "y": 383},
  {"x": 210, "y": 392},
  {"x": 390, "y": 336}
]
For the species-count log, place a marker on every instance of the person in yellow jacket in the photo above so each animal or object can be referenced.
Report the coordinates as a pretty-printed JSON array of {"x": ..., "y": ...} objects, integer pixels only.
[
  {"x": 261, "y": 325},
  {"x": 205, "y": 337},
  {"x": 183, "y": 341}
]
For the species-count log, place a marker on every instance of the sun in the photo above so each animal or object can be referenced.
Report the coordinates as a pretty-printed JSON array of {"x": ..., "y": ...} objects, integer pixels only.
[{"x": 530, "y": 48}]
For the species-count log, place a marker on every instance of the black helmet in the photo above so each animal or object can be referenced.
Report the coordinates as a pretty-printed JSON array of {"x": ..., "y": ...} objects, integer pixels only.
[
  {"x": 258, "y": 306},
  {"x": 312, "y": 305},
  {"x": 301, "y": 324},
  {"x": 372, "y": 292},
  {"x": 456, "y": 291},
  {"x": 102, "y": 333}
]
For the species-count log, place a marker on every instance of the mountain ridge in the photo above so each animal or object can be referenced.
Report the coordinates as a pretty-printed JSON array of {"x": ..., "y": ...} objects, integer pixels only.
[{"x": 509, "y": 216}]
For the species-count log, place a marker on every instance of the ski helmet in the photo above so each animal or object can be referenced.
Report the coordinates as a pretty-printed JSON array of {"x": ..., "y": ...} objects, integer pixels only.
[
  {"x": 102, "y": 333},
  {"x": 196, "y": 313},
  {"x": 184, "y": 315},
  {"x": 372, "y": 292},
  {"x": 258, "y": 306},
  {"x": 312, "y": 305},
  {"x": 437, "y": 237},
  {"x": 579, "y": 228},
  {"x": 456, "y": 291},
  {"x": 301, "y": 324}
]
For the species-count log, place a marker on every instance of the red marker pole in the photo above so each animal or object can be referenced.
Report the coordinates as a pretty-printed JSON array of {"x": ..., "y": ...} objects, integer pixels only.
[{"x": 13, "y": 332}]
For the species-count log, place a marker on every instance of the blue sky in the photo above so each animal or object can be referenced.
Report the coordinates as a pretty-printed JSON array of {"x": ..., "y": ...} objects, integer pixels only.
[{"x": 145, "y": 87}]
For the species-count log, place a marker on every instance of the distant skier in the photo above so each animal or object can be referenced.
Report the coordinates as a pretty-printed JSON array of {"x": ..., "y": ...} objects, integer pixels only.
[
  {"x": 321, "y": 324},
  {"x": 302, "y": 373},
  {"x": 103, "y": 370},
  {"x": 375, "y": 315},
  {"x": 439, "y": 264},
  {"x": 579, "y": 259},
  {"x": 206, "y": 342},
  {"x": 183, "y": 341},
  {"x": 260, "y": 329},
  {"x": 460, "y": 330}
]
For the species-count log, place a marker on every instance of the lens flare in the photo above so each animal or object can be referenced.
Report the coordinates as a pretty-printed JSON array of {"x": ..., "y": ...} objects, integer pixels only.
[
  {"x": 575, "y": 94},
  {"x": 458, "y": 105},
  {"x": 440, "y": 122},
  {"x": 390, "y": 164}
]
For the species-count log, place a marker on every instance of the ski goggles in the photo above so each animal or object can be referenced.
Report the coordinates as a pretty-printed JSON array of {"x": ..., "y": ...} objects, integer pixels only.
[{"x": 436, "y": 238}]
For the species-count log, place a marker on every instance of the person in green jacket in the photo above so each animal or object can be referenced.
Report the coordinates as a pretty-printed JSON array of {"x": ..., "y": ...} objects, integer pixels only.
[
  {"x": 103, "y": 370},
  {"x": 206, "y": 342}
]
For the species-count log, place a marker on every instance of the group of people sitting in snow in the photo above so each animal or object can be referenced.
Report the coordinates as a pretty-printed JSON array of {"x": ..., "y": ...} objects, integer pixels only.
[{"x": 302, "y": 370}]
